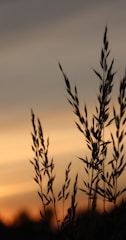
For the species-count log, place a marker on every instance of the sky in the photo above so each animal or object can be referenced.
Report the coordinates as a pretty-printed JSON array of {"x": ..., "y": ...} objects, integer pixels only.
[{"x": 34, "y": 36}]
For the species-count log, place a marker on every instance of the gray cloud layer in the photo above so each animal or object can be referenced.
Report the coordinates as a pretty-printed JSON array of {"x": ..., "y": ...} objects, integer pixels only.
[
  {"x": 35, "y": 34},
  {"x": 21, "y": 15}
]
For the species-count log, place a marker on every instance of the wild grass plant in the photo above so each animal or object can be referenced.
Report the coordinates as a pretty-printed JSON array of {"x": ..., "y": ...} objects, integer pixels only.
[
  {"x": 117, "y": 163},
  {"x": 100, "y": 181},
  {"x": 105, "y": 162},
  {"x": 65, "y": 191},
  {"x": 45, "y": 178},
  {"x": 43, "y": 169}
]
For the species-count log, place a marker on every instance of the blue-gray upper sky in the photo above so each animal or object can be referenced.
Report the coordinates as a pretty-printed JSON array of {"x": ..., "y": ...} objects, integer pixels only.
[{"x": 35, "y": 34}]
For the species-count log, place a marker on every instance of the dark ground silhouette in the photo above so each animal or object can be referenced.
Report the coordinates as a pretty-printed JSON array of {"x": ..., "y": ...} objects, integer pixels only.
[{"x": 88, "y": 225}]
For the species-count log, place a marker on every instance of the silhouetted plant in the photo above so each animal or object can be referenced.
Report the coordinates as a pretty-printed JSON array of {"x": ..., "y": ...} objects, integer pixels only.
[
  {"x": 74, "y": 102},
  {"x": 73, "y": 200},
  {"x": 117, "y": 163},
  {"x": 101, "y": 171},
  {"x": 101, "y": 120},
  {"x": 65, "y": 191},
  {"x": 43, "y": 169},
  {"x": 71, "y": 211},
  {"x": 44, "y": 177},
  {"x": 95, "y": 134}
]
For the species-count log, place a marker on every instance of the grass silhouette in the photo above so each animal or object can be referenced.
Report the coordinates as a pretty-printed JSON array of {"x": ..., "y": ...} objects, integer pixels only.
[
  {"x": 103, "y": 166},
  {"x": 44, "y": 174},
  {"x": 101, "y": 181}
]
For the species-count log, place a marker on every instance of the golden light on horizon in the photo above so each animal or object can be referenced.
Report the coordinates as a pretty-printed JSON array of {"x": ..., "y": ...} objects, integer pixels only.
[{"x": 66, "y": 144}]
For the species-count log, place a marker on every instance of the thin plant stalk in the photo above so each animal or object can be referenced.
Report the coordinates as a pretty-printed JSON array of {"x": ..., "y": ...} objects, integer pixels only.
[
  {"x": 94, "y": 135},
  {"x": 65, "y": 191},
  {"x": 43, "y": 169}
]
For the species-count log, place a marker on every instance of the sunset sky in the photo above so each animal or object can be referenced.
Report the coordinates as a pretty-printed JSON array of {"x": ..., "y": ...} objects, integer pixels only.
[{"x": 34, "y": 36}]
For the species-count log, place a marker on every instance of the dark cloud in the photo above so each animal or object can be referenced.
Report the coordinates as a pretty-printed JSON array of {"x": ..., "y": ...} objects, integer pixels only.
[
  {"x": 75, "y": 24},
  {"x": 20, "y": 15}
]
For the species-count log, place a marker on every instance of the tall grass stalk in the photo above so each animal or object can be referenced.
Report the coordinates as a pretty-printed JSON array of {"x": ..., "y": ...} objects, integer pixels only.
[
  {"x": 65, "y": 191},
  {"x": 71, "y": 211},
  {"x": 45, "y": 177},
  {"x": 117, "y": 163},
  {"x": 95, "y": 165},
  {"x": 43, "y": 169},
  {"x": 101, "y": 119}
]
